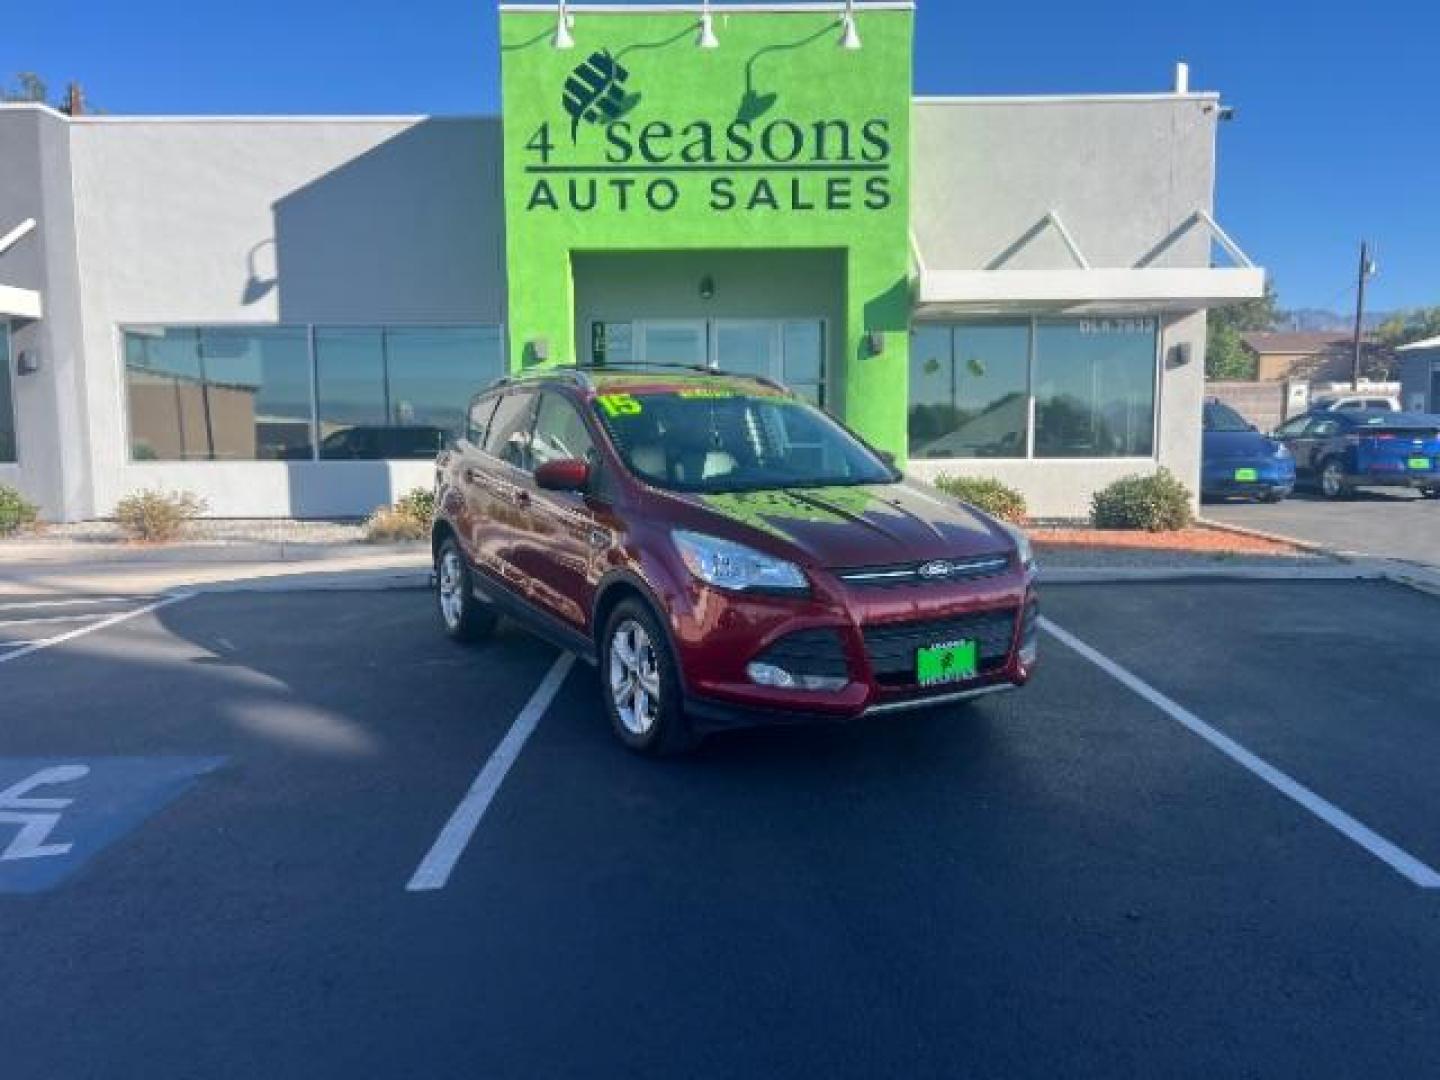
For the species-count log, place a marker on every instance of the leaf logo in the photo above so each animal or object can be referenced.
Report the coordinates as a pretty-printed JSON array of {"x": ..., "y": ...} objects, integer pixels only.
[{"x": 595, "y": 92}]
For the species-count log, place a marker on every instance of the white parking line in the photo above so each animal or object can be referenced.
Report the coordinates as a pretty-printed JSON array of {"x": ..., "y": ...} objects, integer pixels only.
[
  {"x": 109, "y": 620},
  {"x": 434, "y": 870},
  {"x": 1399, "y": 860},
  {"x": 47, "y": 618},
  {"x": 17, "y": 605}
]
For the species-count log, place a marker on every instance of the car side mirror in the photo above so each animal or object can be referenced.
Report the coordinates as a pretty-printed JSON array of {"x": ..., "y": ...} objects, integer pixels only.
[{"x": 564, "y": 474}]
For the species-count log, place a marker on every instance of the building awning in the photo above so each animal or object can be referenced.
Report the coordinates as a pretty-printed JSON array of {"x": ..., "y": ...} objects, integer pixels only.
[
  {"x": 1082, "y": 288},
  {"x": 19, "y": 303}
]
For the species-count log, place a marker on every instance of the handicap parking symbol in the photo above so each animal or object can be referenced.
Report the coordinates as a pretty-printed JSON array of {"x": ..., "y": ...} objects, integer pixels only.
[{"x": 58, "y": 814}]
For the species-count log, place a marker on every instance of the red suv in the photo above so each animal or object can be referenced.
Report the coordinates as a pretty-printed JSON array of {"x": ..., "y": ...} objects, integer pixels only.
[{"x": 727, "y": 554}]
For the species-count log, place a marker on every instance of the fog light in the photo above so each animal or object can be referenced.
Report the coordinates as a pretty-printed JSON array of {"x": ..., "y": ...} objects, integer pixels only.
[
  {"x": 770, "y": 675},
  {"x": 823, "y": 683}
]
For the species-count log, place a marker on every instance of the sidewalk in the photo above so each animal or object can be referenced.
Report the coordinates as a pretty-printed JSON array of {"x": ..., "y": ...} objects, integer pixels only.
[{"x": 37, "y": 570}]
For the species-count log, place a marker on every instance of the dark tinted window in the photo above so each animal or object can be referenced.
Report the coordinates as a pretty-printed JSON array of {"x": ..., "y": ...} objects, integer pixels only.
[
  {"x": 509, "y": 436},
  {"x": 1294, "y": 427},
  {"x": 1220, "y": 417}
]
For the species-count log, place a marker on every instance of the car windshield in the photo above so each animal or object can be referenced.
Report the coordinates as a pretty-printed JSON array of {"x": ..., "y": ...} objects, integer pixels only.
[
  {"x": 1219, "y": 417},
  {"x": 721, "y": 440}
]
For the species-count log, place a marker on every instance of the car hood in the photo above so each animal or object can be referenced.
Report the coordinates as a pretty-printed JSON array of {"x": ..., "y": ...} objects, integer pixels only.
[
  {"x": 1238, "y": 444},
  {"x": 869, "y": 525}
]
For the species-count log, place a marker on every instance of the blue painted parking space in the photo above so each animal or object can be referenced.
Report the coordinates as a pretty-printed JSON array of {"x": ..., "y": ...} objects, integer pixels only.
[{"x": 56, "y": 814}]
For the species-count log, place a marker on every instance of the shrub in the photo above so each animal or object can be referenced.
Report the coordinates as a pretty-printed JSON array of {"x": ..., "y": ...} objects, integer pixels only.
[
  {"x": 16, "y": 512},
  {"x": 408, "y": 519},
  {"x": 157, "y": 516},
  {"x": 1158, "y": 503},
  {"x": 419, "y": 504},
  {"x": 992, "y": 496}
]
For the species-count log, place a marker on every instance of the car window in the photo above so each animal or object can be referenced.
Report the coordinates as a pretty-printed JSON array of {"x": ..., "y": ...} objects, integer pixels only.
[
  {"x": 477, "y": 419},
  {"x": 723, "y": 439},
  {"x": 1323, "y": 428},
  {"x": 560, "y": 432},
  {"x": 1378, "y": 403},
  {"x": 1292, "y": 428},
  {"x": 1220, "y": 417},
  {"x": 508, "y": 437}
]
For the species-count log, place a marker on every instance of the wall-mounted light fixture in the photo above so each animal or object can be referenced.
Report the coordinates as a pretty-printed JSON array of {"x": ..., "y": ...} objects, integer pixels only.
[
  {"x": 874, "y": 343},
  {"x": 563, "y": 38},
  {"x": 707, "y": 288},
  {"x": 27, "y": 363},
  {"x": 537, "y": 351},
  {"x": 707, "y": 39},
  {"x": 849, "y": 33}
]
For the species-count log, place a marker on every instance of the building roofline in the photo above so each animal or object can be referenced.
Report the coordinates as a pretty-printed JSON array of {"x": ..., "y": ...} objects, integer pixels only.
[
  {"x": 831, "y": 7},
  {"x": 1058, "y": 99}
]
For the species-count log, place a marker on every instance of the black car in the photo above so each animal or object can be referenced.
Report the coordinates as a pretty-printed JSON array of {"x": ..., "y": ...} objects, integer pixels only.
[{"x": 1344, "y": 449}]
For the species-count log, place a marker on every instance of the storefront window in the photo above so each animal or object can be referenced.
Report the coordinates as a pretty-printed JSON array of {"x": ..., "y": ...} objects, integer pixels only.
[
  {"x": 968, "y": 387},
  {"x": 7, "y": 400},
  {"x": 218, "y": 394},
  {"x": 1095, "y": 388},
  {"x": 399, "y": 392},
  {"x": 261, "y": 393}
]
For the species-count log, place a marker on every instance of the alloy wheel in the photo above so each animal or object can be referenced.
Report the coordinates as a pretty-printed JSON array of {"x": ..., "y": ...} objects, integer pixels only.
[
  {"x": 634, "y": 677},
  {"x": 451, "y": 588},
  {"x": 1331, "y": 480}
]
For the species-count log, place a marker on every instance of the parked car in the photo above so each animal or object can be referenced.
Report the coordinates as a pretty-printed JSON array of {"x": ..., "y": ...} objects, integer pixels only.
[
  {"x": 1238, "y": 460},
  {"x": 1341, "y": 450},
  {"x": 1375, "y": 402},
  {"x": 726, "y": 553}
]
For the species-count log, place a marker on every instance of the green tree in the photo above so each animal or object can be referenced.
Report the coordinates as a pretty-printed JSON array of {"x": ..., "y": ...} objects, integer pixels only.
[
  {"x": 1415, "y": 324},
  {"x": 1225, "y": 354}
]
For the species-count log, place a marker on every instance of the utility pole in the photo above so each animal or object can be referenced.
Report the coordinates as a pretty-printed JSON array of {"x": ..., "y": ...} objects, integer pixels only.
[{"x": 1365, "y": 271}]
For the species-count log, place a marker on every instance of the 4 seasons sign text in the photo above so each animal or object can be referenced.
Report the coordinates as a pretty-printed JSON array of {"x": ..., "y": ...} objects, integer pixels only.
[{"x": 608, "y": 158}]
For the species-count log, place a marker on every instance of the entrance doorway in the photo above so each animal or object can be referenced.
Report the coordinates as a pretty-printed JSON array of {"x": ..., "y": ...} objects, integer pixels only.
[{"x": 791, "y": 351}]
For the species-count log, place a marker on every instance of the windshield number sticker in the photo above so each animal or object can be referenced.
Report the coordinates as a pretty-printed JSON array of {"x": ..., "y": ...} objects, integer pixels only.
[
  {"x": 706, "y": 394},
  {"x": 619, "y": 405}
]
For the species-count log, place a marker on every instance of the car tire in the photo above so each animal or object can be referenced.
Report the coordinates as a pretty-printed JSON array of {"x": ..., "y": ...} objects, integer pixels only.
[
  {"x": 1332, "y": 480},
  {"x": 640, "y": 680},
  {"x": 1430, "y": 493},
  {"x": 463, "y": 617}
]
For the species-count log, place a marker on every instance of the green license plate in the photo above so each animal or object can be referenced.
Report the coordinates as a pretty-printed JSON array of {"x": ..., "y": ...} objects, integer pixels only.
[
  {"x": 1420, "y": 463},
  {"x": 954, "y": 661},
  {"x": 1246, "y": 476}
]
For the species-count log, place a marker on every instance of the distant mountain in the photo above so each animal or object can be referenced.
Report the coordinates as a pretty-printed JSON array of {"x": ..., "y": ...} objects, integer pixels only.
[{"x": 1317, "y": 319}]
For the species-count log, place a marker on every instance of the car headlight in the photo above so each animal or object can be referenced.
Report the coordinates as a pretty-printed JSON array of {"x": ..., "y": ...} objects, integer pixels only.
[
  {"x": 728, "y": 565},
  {"x": 1022, "y": 545}
]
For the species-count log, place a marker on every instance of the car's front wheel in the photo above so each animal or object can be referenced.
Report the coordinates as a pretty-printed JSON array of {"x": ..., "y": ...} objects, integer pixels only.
[
  {"x": 463, "y": 617},
  {"x": 1332, "y": 480},
  {"x": 641, "y": 683}
]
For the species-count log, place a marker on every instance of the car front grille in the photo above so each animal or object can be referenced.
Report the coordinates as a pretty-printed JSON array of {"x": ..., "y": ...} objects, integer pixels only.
[
  {"x": 892, "y": 647},
  {"x": 930, "y": 572}
]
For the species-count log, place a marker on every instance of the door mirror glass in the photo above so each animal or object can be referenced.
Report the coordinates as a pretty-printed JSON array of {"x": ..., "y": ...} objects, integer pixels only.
[{"x": 563, "y": 474}]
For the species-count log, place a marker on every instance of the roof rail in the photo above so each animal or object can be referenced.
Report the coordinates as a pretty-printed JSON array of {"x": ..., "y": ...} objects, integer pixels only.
[{"x": 580, "y": 373}]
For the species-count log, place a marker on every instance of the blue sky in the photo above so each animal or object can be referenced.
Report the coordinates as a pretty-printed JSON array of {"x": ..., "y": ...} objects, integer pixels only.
[{"x": 1334, "y": 136}]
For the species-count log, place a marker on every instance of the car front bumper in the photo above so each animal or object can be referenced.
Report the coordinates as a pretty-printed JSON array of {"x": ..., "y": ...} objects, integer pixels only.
[{"x": 875, "y": 633}]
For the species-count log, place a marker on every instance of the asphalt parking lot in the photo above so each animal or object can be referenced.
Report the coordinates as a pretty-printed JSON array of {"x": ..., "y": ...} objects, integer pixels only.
[
  {"x": 1390, "y": 524},
  {"x": 1200, "y": 843}
]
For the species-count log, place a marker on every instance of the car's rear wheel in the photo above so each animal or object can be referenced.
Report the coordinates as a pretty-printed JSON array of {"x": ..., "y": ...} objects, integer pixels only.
[
  {"x": 641, "y": 683},
  {"x": 1431, "y": 493},
  {"x": 1332, "y": 480},
  {"x": 463, "y": 617}
]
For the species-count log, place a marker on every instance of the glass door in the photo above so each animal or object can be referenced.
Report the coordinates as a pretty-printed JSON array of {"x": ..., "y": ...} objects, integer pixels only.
[
  {"x": 673, "y": 341},
  {"x": 747, "y": 347}
]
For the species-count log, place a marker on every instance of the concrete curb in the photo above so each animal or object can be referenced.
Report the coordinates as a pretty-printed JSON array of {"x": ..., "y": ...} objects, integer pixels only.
[
  {"x": 323, "y": 581},
  {"x": 1275, "y": 538}
]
